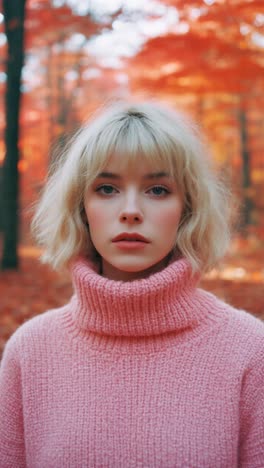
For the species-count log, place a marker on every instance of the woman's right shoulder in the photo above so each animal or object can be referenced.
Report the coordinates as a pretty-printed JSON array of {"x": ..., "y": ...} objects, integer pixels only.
[{"x": 38, "y": 328}]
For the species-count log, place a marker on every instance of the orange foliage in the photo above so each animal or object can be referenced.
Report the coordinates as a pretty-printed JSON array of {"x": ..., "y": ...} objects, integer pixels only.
[
  {"x": 46, "y": 24},
  {"x": 218, "y": 53}
]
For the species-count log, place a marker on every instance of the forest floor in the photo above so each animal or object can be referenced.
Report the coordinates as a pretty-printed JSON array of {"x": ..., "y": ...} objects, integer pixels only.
[{"x": 34, "y": 288}]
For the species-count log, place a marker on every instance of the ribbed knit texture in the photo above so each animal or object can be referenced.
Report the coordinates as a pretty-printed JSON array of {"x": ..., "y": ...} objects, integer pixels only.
[{"x": 152, "y": 373}]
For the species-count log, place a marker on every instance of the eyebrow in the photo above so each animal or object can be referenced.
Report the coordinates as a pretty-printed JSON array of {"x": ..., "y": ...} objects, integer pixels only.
[{"x": 153, "y": 175}]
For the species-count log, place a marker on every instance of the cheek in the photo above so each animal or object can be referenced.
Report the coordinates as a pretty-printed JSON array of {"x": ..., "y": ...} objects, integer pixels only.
[
  {"x": 96, "y": 215},
  {"x": 168, "y": 217}
]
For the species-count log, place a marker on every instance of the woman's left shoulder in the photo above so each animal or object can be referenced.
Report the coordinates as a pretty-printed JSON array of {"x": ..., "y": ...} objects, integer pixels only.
[
  {"x": 247, "y": 322},
  {"x": 250, "y": 330},
  {"x": 246, "y": 332},
  {"x": 237, "y": 328}
]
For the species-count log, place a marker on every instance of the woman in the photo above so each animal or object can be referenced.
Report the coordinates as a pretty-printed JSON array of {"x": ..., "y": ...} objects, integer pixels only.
[{"x": 141, "y": 368}]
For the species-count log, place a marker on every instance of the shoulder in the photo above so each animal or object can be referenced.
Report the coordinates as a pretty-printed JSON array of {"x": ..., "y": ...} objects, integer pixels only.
[
  {"x": 33, "y": 333},
  {"x": 242, "y": 320},
  {"x": 246, "y": 323},
  {"x": 248, "y": 330},
  {"x": 238, "y": 330}
]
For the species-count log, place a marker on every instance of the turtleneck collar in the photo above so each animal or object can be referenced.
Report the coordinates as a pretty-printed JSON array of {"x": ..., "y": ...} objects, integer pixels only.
[{"x": 163, "y": 302}]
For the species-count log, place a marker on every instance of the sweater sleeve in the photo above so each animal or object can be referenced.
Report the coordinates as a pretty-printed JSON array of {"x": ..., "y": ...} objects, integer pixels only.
[
  {"x": 251, "y": 450},
  {"x": 12, "y": 451}
]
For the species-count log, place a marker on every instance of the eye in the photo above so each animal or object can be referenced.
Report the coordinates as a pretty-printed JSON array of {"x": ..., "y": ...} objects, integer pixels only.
[
  {"x": 105, "y": 189},
  {"x": 159, "y": 190}
]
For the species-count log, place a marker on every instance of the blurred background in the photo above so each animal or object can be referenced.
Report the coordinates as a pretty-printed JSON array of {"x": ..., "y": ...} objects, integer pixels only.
[{"x": 62, "y": 59}]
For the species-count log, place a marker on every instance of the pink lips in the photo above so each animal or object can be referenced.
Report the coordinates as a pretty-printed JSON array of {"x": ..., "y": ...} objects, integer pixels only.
[
  {"x": 130, "y": 241},
  {"x": 132, "y": 237}
]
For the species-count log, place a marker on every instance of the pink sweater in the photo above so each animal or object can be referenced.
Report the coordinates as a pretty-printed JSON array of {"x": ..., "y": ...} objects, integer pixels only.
[{"x": 150, "y": 373}]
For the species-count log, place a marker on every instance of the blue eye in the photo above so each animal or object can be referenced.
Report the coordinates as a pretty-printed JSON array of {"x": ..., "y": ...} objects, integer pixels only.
[
  {"x": 105, "y": 189},
  {"x": 159, "y": 190}
]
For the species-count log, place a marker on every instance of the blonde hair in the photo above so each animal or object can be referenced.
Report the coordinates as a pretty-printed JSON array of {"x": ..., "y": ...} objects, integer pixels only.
[{"x": 158, "y": 134}]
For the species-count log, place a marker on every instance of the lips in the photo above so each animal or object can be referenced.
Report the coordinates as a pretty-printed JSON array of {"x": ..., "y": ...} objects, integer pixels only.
[{"x": 125, "y": 236}]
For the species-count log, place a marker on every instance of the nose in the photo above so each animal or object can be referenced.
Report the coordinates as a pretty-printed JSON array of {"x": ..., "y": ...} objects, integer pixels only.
[{"x": 131, "y": 211}]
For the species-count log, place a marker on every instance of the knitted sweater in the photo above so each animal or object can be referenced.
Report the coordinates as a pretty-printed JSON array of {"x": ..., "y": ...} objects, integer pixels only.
[{"x": 149, "y": 373}]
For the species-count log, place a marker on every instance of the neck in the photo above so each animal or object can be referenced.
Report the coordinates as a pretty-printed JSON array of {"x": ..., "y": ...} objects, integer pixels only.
[{"x": 110, "y": 272}]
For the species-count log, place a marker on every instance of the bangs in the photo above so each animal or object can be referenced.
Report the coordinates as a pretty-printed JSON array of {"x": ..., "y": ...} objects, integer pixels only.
[{"x": 133, "y": 138}]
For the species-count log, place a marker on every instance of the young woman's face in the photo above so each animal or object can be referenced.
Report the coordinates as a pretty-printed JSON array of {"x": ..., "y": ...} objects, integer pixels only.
[{"x": 133, "y": 200}]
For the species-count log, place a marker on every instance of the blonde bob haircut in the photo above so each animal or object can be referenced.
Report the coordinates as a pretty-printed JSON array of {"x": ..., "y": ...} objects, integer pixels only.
[{"x": 164, "y": 138}]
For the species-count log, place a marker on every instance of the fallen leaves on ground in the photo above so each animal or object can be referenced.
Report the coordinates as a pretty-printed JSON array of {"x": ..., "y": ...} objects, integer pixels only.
[{"x": 35, "y": 288}]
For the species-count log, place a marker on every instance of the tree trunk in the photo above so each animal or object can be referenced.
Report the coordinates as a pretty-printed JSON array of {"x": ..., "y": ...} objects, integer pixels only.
[
  {"x": 246, "y": 176},
  {"x": 14, "y": 13}
]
